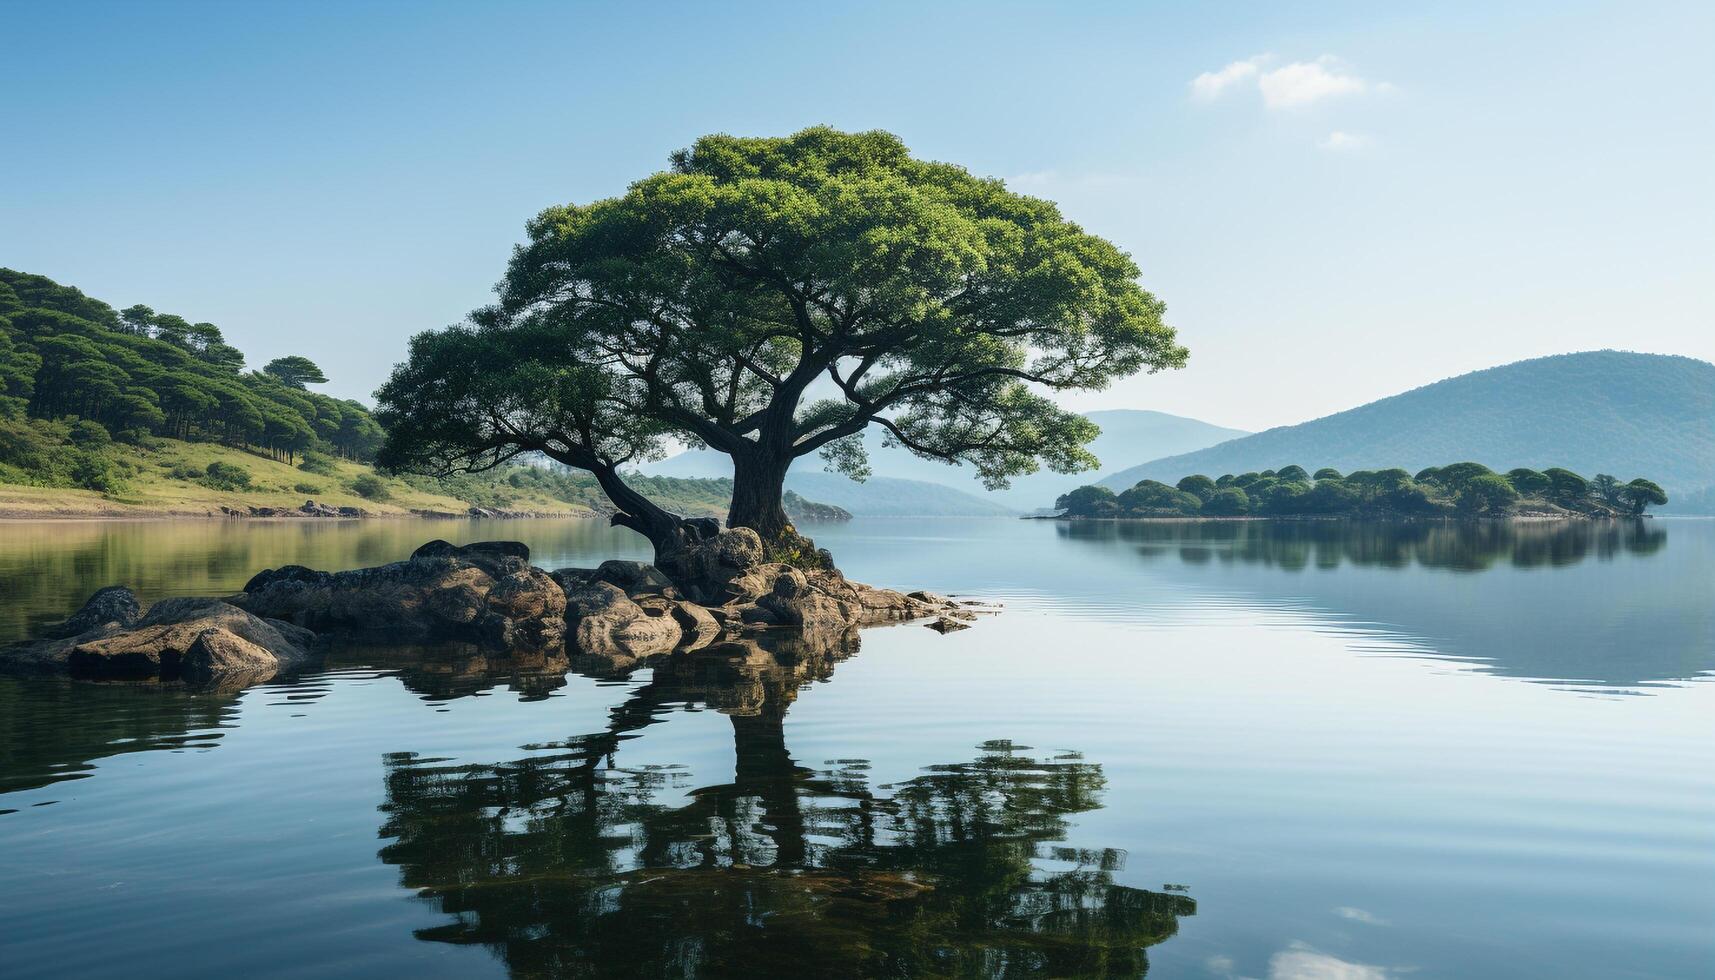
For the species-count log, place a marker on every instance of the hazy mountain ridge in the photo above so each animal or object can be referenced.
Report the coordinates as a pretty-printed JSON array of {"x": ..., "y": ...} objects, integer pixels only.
[
  {"x": 905, "y": 484},
  {"x": 1650, "y": 415}
]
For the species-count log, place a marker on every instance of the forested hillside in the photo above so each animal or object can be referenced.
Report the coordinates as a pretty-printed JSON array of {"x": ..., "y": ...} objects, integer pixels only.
[
  {"x": 106, "y": 411},
  {"x": 1592, "y": 412},
  {"x": 76, "y": 375}
]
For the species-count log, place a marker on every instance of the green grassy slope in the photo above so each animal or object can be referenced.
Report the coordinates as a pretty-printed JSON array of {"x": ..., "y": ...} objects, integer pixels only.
[{"x": 168, "y": 477}]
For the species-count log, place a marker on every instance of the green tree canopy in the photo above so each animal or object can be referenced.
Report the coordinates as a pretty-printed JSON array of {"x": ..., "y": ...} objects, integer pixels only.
[
  {"x": 1641, "y": 493},
  {"x": 1198, "y": 486},
  {"x": 1527, "y": 481},
  {"x": 1228, "y": 502},
  {"x": 937, "y": 305},
  {"x": 295, "y": 371}
]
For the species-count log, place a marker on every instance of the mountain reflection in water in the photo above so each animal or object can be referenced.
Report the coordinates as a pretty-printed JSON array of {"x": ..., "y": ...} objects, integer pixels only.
[
  {"x": 1536, "y": 601},
  {"x": 566, "y": 862}
]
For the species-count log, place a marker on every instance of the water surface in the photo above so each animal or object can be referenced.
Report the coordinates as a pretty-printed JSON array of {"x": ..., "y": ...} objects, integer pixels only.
[{"x": 1205, "y": 750}]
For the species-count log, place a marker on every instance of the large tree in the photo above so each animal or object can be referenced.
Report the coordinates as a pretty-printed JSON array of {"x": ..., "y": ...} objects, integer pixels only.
[
  {"x": 295, "y": 371},
  {"x": 770, "y": 299}
]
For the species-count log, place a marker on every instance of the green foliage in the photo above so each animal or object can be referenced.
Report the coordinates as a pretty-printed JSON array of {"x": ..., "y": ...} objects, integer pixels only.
[
  {"x": 1565, "y": 486},
  {"x": 89, "y": 434},
  {"x": 141, "y": 374},
  {"x": 702, "y": 303},
  {"x": 1527, "y": 481},
  {"x": 295, "y": 371},
  {"x": 311, "y": 488},
  {"x": 1088, "y": 501},
  {"x": 1641, "y": 493},
  {"x": 370, "y": 487},
  {"x": 1487, "y": 493},
  {"x": 1150, "y": 497},
  {"x": 226, "y": 476},
  {"x": 186, "y": 471},
  {"x": 1470, "y": 489},
  {"x": 1198, "y": 486},
  {"x": 1605, "y": 488},
  {"x": 317, "y": 463},
  {"x": 1229, "y": 502}
]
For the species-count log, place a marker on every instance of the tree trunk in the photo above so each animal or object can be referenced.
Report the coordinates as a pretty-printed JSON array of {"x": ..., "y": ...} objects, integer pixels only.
[
  {"x": 636, "y": 511},
  {"x": 758, "y": 492}
]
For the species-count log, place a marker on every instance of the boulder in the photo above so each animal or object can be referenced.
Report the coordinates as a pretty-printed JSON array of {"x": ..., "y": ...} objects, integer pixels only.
[
  {"x": 635, "y": 577},
  {"x": 605, "y": 622},
  {"x": 113, "y": 606},
  {"x": 485, "y": 594},
  {"x": 704, "y": 569},
  {"x": 159, "y": 643},
  {"x": 697, "y": 625},
  {"x": 217, "y": 655},
  {"x": 944, "y": 625}
]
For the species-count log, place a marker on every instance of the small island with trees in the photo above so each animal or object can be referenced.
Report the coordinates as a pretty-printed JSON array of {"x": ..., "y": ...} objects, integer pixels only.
[{"x": 1457, "y": 490}]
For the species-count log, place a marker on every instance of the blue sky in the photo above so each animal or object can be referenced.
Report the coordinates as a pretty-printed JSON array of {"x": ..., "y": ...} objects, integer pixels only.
[{"x": 1337, "y": 201}]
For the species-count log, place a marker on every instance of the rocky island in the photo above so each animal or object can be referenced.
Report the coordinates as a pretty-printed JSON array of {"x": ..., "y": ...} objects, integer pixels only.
[{"x": 484, "y": 597}]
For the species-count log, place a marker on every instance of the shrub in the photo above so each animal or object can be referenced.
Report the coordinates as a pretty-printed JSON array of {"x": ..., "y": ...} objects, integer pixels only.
[
  {"x": 318, "y": 463},
  {"x": 311, "y": 488},
  {"x": 226, "y": 476},
  {"x": 185, "y": 471},
  {"x": 1228, "y": 502},
  {"x": 89, "y": 434},
  {"x": 94, "y": 471},
  {"x": 370, "y": 487}
]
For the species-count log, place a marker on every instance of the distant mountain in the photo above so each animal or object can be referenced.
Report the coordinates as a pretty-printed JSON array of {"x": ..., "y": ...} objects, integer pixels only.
[
  {"x": 1630, "y": 415},
  {"x": 879, "y": 496},
  {"x": 1127, "y": 434},
  {"x": 885, "y": 496}
]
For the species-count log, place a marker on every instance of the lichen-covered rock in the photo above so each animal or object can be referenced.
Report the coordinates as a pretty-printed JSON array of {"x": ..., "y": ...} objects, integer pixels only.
[{"x": 486, "y": 594}]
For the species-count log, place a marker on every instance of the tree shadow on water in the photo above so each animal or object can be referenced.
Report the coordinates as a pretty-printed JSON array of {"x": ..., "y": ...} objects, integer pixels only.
[{"x": 568, "y": 863}]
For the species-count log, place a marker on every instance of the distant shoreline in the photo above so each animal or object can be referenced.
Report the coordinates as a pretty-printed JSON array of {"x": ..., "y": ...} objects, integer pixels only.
[{"x": 1309, "y": 518}]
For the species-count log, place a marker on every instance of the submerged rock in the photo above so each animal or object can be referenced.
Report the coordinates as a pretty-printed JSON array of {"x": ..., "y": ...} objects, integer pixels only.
[{"x": 486, "y": 594}]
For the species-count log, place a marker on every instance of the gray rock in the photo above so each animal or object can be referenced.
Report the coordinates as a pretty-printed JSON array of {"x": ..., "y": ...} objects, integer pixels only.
[
  {"x": 115, "y": 606},
  {"x": 485, "y": 594},
  {"x": 635, "y": 577},
  {"x": 604, "y": 621},
  {"x": 160, "y": 641}
]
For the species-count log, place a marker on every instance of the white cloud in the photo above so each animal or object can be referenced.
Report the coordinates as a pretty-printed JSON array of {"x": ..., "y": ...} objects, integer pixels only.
[
  {"x": 1300, "y": 962},
  {"x": 1304, "y": 82},
  {"x": 1212, "y": 84},
  {"x": 1288, "y": 86},
  {"x": 1341, "y": 141},
  {"x": 1359, "y": 915}
]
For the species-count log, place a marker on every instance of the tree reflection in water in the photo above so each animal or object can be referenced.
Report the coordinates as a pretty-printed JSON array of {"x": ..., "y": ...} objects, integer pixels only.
[
  {"x": 1454, "y": 545},
  {"x": 565, "y": 864}
]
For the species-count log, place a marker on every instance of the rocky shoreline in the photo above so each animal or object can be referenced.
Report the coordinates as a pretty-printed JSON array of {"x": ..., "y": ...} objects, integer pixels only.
[{"x": 481, "y": 598}]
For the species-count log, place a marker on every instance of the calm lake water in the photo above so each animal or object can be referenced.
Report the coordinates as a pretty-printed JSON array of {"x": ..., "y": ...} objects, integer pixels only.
[{"x": 1206, "y": 750}]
